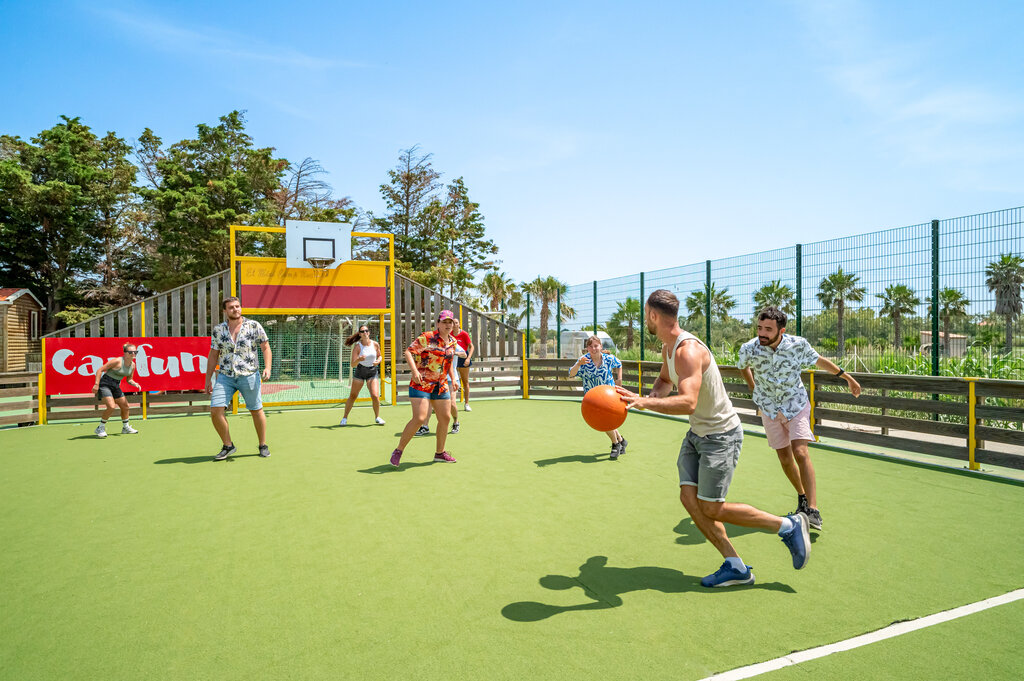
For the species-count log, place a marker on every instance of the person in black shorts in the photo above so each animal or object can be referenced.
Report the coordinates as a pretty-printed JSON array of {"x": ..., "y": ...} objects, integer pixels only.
[
  {"x": 366, "y": 359},
  {"x": 107, "y": 389}
]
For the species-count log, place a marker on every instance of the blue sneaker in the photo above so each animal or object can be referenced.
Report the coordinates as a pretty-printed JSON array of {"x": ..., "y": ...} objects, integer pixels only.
[
  {"x": 798, "y": 540},
  {"x": 727, "y": 575}
]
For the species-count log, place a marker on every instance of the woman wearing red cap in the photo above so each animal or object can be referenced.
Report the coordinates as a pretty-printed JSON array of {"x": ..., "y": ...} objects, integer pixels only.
[{"x": 430, "y": 359}]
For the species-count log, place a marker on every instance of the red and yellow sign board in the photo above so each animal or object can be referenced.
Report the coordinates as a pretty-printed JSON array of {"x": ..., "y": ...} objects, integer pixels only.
[{"x": 267, "y": 286}]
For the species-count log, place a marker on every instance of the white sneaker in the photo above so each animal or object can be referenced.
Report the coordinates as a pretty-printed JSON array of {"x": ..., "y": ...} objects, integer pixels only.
[
  {"x": 380, "y": 421},
  {"x": 467, "y": 407},
  {"x": 128, "y": 430},
  {"x": 100, "y": 431},
  {"x": 344, "y": 422}
]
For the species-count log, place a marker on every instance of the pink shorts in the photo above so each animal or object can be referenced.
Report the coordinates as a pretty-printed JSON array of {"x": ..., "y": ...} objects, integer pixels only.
[{"x": 781, "y": 431}]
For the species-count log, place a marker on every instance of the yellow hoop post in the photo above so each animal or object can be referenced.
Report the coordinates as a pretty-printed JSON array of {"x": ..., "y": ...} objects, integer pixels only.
[
  {"x": 972, "y": 421},
  {"x": 811, "y": 396},
  {"x": 142, "y": 313},
  {"x": 42, "y": 389},
  {"x": 526, "y": 372}
]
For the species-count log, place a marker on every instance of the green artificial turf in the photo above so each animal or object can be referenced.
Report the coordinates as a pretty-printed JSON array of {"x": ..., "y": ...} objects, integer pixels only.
[{"x": 137, "y": 557}]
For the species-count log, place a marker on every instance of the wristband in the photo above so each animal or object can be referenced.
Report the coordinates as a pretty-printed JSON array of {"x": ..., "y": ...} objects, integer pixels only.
[{"x": 841, "y": 372}]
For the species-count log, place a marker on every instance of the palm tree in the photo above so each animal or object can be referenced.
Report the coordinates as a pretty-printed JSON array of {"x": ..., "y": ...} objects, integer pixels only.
[
  {"x": 775, "y": 294},
  {"x": 836, "y": 290},
  {"x": 721, "y": 303},
  {"x": 1005, "y": 279},
  {"x": 546, "y": 290},
  {"x": 621, "y": 323},
  {"x": 899, "y": 300},
  {"x": 952, "y": 307},
  {"x": 497, "y": 287}
]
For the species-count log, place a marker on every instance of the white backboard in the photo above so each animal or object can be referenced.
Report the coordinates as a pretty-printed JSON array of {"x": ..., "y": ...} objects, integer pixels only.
[{"x": 304, "y": 239}]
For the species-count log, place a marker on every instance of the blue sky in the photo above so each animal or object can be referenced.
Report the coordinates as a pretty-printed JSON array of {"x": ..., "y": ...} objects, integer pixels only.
[{"x": 599, "y": 138}]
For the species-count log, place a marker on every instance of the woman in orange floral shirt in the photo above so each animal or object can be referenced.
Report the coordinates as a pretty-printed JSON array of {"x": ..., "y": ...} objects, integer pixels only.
[{"x": 430, "y": 359}]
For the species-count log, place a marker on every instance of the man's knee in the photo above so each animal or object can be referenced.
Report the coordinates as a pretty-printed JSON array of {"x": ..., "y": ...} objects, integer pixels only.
[
  {"x": 688, "y": 497},
  {"x": 711, "y": 509},
  {"x": 785, "y": 455}
]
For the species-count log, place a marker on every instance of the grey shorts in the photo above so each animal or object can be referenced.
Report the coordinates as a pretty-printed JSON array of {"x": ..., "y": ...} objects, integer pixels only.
[
  {"x": 708, "y": 462},
  {"x": 109, "y": 388}
]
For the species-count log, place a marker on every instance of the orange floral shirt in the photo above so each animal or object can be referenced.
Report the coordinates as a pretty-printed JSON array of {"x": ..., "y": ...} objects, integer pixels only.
[{"x": 433, "y": 359}]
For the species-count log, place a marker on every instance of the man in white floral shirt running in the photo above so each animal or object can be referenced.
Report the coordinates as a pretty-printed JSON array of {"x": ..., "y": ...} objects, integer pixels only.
[
  {"x": 776, "y": 359},
  {"x": 233, "y": 345}
]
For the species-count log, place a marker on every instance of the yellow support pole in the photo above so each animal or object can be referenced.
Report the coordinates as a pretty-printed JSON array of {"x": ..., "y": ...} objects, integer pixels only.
[
  {"x": 234, "y": 404},
  {"x": 142, "y": 313},
  {"x": 811, "y": 395},
  {"x": 42, "y": 389},
  {"x": 526, "y": 372},
  {"x": 233, "y": 268},
  {"x": 640, "y": 380},
  {"x": 394, "y": 338},
  {"x": 972, "y": 440}
]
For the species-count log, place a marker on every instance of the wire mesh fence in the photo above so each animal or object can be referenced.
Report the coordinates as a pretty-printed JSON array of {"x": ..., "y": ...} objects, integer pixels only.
[{"x": 864, "y": 301}]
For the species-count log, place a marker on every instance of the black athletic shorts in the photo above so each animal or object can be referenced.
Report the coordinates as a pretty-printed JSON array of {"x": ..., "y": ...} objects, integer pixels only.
[
  {"x": 366, "y": 373},
  {"x": 109, "y": 388},
  {"x": 463, "y": 362}
]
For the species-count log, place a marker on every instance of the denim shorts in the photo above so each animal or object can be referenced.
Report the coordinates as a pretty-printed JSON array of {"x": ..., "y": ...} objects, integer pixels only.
[
  {"x": 225, "y": 387},
  {"x": 435, "y": 394},
  {"x": 708, "y": 462}
]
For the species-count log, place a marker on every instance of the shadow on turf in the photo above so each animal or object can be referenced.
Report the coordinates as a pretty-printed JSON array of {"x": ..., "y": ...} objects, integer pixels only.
[
  {"x": 574, "y": 458},
  {"x": 388, "y": 468},
  {"x": 689, "y": 534},
  {"x": 351, "y": 425},
  {"x": 604, "y": 585},
  {"x": 202, "y": 459}
]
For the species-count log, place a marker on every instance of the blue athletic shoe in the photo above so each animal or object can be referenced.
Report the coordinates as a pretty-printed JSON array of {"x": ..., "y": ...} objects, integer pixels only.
[
  {"x": 727, "y": 575},
  {"x": 798, "y": 540}
]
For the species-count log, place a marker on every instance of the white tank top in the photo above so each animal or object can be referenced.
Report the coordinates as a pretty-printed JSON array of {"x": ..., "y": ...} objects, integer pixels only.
[
  {"x": 367, "y": 354},
  {"x": 714, "y": 412}
]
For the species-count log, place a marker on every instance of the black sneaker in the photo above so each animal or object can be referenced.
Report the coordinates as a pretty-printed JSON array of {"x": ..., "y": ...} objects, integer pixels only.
[
  {"x": 264, "y": 451},
  {"x": 622, "y": 446},
  {"x": 225, "y": 452},
  {"x": 455, "y": 429},
  {"x": 801, "y": 506},
  {"x": 616, "y": 450},
  {"x": 814, "y": 519},
  {"x": 422, "y": 431}
]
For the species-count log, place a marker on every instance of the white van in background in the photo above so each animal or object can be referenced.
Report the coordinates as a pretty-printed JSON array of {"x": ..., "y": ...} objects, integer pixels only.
[{"x": 572, "y": 343}]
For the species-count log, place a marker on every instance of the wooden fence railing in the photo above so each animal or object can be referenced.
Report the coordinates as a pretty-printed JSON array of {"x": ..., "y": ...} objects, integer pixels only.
[
  {"x": 957, "y": 418},
  {"x": 19, "y": 399}
]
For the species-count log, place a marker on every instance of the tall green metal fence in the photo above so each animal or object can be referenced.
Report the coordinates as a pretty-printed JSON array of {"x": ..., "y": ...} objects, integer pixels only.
[{"x": 884, "y": 280}]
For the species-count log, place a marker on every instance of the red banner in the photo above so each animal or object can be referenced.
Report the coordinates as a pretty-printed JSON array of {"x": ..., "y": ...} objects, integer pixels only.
[{"x": 162, "y": 363}]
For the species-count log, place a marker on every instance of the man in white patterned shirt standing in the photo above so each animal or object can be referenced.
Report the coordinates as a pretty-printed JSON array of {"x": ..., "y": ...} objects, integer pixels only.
[
  {"x": 775, "y": 359},
  {"x": 233, "y": 345}
]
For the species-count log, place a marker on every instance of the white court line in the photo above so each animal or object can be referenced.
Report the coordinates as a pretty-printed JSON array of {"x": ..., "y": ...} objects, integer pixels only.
[{"x": 890, "y": 631}]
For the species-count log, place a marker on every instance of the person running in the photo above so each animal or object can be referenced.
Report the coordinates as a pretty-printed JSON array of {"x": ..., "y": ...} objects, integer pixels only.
[
  {"x": 366, "y": 359},
  {"x": 464, "y": 363},
  {"x": 107, "y": 389},
  {"x": 233, "y": 344},
  {"x": 595, "y": 368},
  {"x": 453, "y": 379},
  {"x": 711, "y": 448},
  {"x": 771, "y": 365},
  {"x": 430, "y": 359}
]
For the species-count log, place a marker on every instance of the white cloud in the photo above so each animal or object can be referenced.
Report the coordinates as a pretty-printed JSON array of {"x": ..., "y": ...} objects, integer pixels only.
[{"x": 166, "y": 35}]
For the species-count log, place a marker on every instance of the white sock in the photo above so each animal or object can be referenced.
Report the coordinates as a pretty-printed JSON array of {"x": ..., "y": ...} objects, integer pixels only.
[
  {"x": 787, "y": 525},
  {"x": 736, "y": 564}
]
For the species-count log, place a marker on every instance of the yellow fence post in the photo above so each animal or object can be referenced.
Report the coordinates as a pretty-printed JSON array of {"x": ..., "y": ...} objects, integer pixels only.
[
  {"x": 42, "y": 389},
  {"x": 526, "y": 372},
  {"x": 640, "y": 379},
  {"x": 972, "y": 440},
  {"x": 811, "y": 396},
  {"x": 142, "y": 314}
]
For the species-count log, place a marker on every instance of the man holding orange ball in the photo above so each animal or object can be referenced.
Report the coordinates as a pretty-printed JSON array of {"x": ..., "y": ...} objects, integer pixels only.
[
  {"x": 595, "y": 368},
  {"x": 711, "y": 449}
]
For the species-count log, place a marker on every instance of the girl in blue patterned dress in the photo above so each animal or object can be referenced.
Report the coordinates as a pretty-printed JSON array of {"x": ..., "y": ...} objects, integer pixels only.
[{"x": 595, "y": 368}]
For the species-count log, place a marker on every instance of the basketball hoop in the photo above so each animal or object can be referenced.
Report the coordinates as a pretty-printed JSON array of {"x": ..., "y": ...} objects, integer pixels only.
[{"x": 320, "y": 263}]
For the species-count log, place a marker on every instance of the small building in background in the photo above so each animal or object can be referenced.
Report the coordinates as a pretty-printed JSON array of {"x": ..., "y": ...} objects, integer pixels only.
[
  {"x": 21, "y": 324},
  {"x": 957, "y": 343}
]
